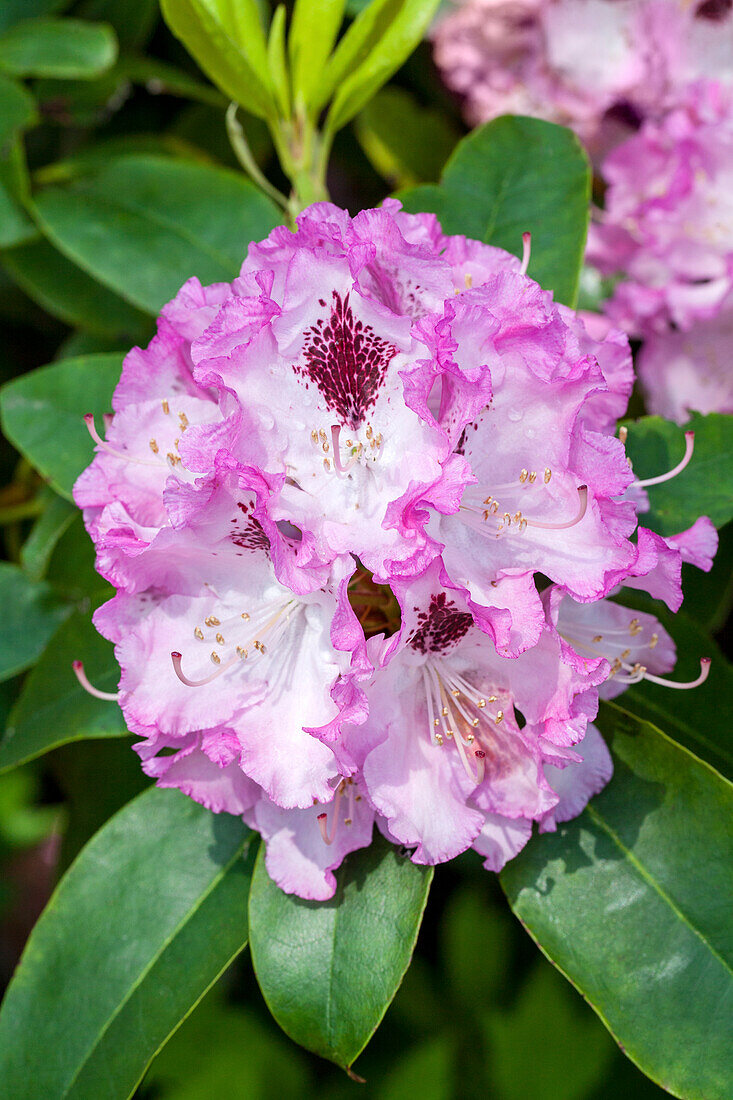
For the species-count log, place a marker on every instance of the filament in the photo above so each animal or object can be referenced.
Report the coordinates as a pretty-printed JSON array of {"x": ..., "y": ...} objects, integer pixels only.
[
  {"x": 78, "y": 667},
  {"x": 582, "y": 507},
  {"x": 526, "y": 252},
  {"x": 104, "y": 446},
  {"x": 689, "y": 448},
  {"x": 176, "y": 659}
]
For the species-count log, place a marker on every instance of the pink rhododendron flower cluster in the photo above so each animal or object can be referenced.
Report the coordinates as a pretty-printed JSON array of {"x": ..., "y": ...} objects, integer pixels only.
[
  {"x": 667, "y": 227},
  {"x": 327, "y": 498},
  {"x": 598, "y": 66}
]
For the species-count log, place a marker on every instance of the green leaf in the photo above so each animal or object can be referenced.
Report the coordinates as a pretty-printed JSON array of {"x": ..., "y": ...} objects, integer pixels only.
[
  {"x": 53, "y": 521},
  {"x": 67, "y": 292},
  {"x": 15, "y": 225},
  {"x": 142, "y": 225},
  {"x": 277, "y": 61},
  {"x": 477, "y": 977},
  {"x": 133, "y": 20},
  {"x": 632, "y": 902},
  {"x": 515, "y": 175},
  {"x": 71, "y": 49},
  {"x": 31, "y": 613},
  {"x": 42, "y": 414},
  {"x": 356, "y": 45},
  {"x": 229, "y": 47},
  {"x": 328, "y": 970},
  {"x": 17, "y": 109},
  {"x": 406, "y": 143},
  {"x": 701, "y": 720},
  {"x": 400, "y": 35},
  {"x": 13, "y": 11},
  {"x": 145, "y": 920},
  {"x": 704, "y": 488},
  {"x": 313, "y": 31},
  {"x": 53, "y": 709},
  {"x": 424, "y": 1070},
  {"x": 560, "y": 1031}
]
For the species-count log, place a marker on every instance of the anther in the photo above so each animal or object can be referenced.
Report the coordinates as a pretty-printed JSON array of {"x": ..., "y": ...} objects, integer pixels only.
[
  {"x": 499, "y": 716},
  {"x": 198, "y": 633},
  {"x": 81, "y": 676},
  {"x": 165, "y": 406},
  {"x": 523, "y": 476},
  {"x": 597, "y": 637},
  {"x": 211, "y": 620},
  {"x": 653, "y": 640},
  {"x": 532, "y": 477},
  {"x": 154, "y": 447},
  {"x": 245, "y": 616},
  {"x": 314, "y": 436},
  {"x": 183, "y": 421},
  {"x": 220, "y": 639},
  {"x": 623, "y": 433},
  {"x": 242, "y": 652},
  {"x": 468, "y": 280},
  {"x": 215, "y": 657},
  {"x": 547, "y": 475}
]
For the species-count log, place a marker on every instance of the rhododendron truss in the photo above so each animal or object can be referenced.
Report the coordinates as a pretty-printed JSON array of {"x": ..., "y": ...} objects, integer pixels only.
[{"x": 364, "y": 509}]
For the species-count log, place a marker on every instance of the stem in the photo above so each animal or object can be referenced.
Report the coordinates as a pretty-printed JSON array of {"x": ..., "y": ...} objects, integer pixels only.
[
  {"x": 243, "y": 153},
  {"x": 28, "y": 509}
]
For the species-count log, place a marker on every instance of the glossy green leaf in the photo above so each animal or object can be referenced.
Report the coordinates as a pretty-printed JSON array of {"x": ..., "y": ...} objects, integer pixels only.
[
  {"x": 701, "y": 720},
  {"x": 142, "y": 225},
  {"x": 406, "y": 143},
  {"x": 328, "y": 970},
  {"x": 313, "y": 31},
  {"x": 704, "y": 488},
  {"x": 42, "y": 414},
  {"x": 141, "y": 925},
  {"x": 67, "y": 292},
  {"x": 632, "y": 902},
  {"x": 53, "y": 709},
  {"x": 31, "y": 613},
  {"x": 37, "y": 549},
  {"x": 424, "y": 1070},
  {"x": 234, "y": 60},
  {"x": 17, "y": 109},
  {"x": 71, "y": 49},
  {"x": 515, "y": 175},
  {"x": 400, "y": 36},
  {"x": 15, "y": 225}
]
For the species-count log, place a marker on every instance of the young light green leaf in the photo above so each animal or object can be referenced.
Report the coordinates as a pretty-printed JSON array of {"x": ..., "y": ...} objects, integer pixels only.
[
  {"x": 277, "y": 61},
  {"x": 400, "y": 38},
  {"x": 59, "y": 395},
  {"x": 632, "y": 902},
  {"x": 236, "y": 65},
  {"x": 68, "y": 49},
  {"x": 67, "y": 292},
  {"x": 704, "y": 488},
  {"x": 53, "y": 709},
  {"x": 142, "y": 225},
  {"x": 515, "y": 175},
  {"x": 160, "y": 893},
  {"x": 313, "y": 31},
  {"x": 329, "y": 970},
  {"x": 355, "y": 46},
  {"x": 31, "y": 613}
]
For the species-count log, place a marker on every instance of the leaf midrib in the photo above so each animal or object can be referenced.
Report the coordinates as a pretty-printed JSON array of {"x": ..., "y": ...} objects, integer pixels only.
[{"x": 151, "y": 964}]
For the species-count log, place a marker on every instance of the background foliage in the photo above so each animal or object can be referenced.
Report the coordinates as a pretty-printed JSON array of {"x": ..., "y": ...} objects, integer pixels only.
[{"x": 117, "y": 181}]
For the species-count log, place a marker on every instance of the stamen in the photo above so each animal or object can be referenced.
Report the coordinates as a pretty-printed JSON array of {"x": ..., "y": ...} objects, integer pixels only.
[
  {"x": 582, "y": 507},
  {"x": 689, "y": 448},
  {"x": 78, "y": 667},
  {"x": 104, "y": 446},
  {"x": 704, "y": 670},
  {"x": 176, "y": 659},
  {"x": 335, "y": 438},
  {"x": 526, "y": 252},
  {"x": 328, "y": 838}
]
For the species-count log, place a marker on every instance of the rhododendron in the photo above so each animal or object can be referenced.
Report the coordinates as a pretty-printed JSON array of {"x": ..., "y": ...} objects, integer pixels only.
[
  {"x": 599, "y": 66},
  {"x": 667, "y": 224},
  {"x": 330, "y": 498}
]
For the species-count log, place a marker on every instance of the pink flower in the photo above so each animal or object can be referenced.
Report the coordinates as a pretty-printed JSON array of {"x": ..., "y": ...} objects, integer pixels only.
[
  {"x": 686, "y": 372},
  {"x": 324, "y": 499},
  {"x": 598, "y": 66},
  {"x": 668, "y": 222}
]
